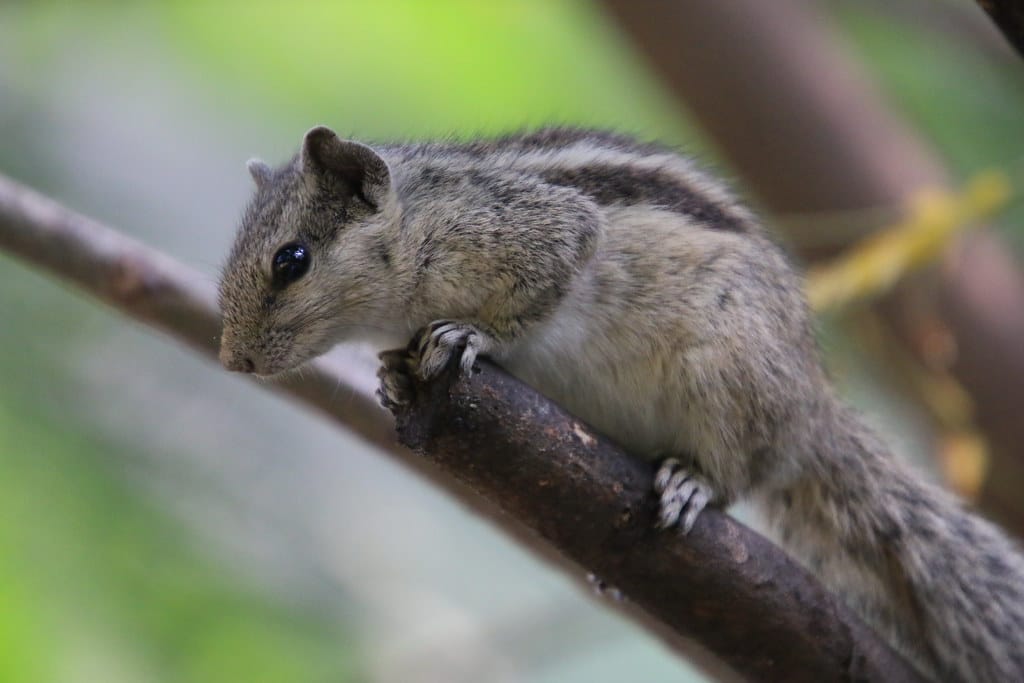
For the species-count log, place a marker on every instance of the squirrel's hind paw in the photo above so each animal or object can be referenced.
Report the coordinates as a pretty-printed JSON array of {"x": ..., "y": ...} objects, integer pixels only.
[
  {"x": 683, "y": 495},
  {"x": 437, "y": 342}
]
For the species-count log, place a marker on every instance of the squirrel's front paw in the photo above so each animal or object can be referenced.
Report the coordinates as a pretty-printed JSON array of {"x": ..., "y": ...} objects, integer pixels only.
[
  {"x": 437, "y": 342},
  {"x": 684, "y": 494},
  {"x": 396, "y": 378}
]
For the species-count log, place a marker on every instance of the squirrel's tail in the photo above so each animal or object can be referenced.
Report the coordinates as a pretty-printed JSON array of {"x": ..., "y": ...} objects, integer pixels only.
[{"x": 943, "y": 585}]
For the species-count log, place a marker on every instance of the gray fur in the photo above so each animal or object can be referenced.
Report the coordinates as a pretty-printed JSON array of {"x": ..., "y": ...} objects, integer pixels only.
[
  {"x": 624, "y": 284},
  {"x": 260, "y": 172}
]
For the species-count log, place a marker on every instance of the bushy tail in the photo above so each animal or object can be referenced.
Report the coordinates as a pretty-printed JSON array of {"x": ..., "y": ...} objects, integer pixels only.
[{"x": 943, "y": 585}]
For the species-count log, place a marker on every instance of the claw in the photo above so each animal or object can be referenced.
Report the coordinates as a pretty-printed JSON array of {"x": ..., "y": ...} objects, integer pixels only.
[
  {"x": 426, "y": 356},
  {"x": 683, "y": 495},
  {"x": 439, "y": 341},
  {"x": 395, "y": 374},
  {"x": 699, "y": 500},
  {"x": 665, "y": 472}
]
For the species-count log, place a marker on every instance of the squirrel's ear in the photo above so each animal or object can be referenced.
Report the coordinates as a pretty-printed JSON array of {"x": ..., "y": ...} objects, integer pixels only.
[
  {"x": 359, "y": 169},
  {"x": 259, "y": 171}
]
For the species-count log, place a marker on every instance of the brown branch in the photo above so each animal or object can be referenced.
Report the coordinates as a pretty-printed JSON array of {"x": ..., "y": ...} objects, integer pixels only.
[
  {"x": 1009, "y": 17},
  {"x": 809, "y": 132},
  {"x": 723, "y": 584},
  {"x": 490, "y": 438}
]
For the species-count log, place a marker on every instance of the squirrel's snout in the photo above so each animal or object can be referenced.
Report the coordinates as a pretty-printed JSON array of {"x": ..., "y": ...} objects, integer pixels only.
[
  {"x": 236, "y": 360},
  {"x": 239, "y": 364}
]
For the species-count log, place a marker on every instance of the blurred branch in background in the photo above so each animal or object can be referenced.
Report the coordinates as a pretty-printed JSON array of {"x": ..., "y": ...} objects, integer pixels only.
[
  {"x": 1009, "y": 17},
  {"x": 725, "y": 586},
  {"x": 956, "y": 22},
  {"x": 802, "y": 124}
]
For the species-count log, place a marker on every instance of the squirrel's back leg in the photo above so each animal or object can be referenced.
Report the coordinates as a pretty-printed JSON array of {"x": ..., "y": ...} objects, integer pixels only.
[{"x": 683, "y": 494}]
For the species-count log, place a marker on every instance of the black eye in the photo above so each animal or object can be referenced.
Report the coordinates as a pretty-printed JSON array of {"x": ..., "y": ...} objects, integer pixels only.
[{"x": 290, "y": 263}]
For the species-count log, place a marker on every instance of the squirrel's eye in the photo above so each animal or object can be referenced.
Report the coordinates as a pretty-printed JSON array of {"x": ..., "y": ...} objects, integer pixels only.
[{"x": 290, "y": 263}]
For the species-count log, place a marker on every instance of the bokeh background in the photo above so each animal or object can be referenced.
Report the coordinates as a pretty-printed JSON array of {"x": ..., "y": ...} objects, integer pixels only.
[{"x": 161, "y": 520}]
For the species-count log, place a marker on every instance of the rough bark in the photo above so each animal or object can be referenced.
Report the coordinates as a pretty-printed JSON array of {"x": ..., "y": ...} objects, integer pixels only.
[{"x": 723, "y": 584}]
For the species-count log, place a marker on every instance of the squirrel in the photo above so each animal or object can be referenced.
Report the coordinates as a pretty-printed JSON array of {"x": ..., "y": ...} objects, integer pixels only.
[{"x": 625, "y": 284}]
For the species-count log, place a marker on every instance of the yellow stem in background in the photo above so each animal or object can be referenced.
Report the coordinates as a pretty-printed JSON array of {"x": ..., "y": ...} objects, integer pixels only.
[{"x": 934, "y": 219}]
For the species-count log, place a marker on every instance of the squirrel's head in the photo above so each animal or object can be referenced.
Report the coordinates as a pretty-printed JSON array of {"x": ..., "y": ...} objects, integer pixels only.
[{"x": 311, "y": 260}]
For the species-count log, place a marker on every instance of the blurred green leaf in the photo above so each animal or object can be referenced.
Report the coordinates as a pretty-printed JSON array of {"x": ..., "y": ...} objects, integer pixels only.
[
  {"x": 94, "y": 579},
  {"x": 413, "y": 68}
]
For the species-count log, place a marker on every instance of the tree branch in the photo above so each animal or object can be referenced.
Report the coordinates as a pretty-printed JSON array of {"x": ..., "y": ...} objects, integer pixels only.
[
  {"x": 1008, "y": 15},
  {"x": 490, "y": 437},
  {"x": 723, "y": 584}
]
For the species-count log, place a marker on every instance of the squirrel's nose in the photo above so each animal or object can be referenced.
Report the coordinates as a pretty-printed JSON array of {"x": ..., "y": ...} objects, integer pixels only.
[{"x": 239, "y": 362}]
